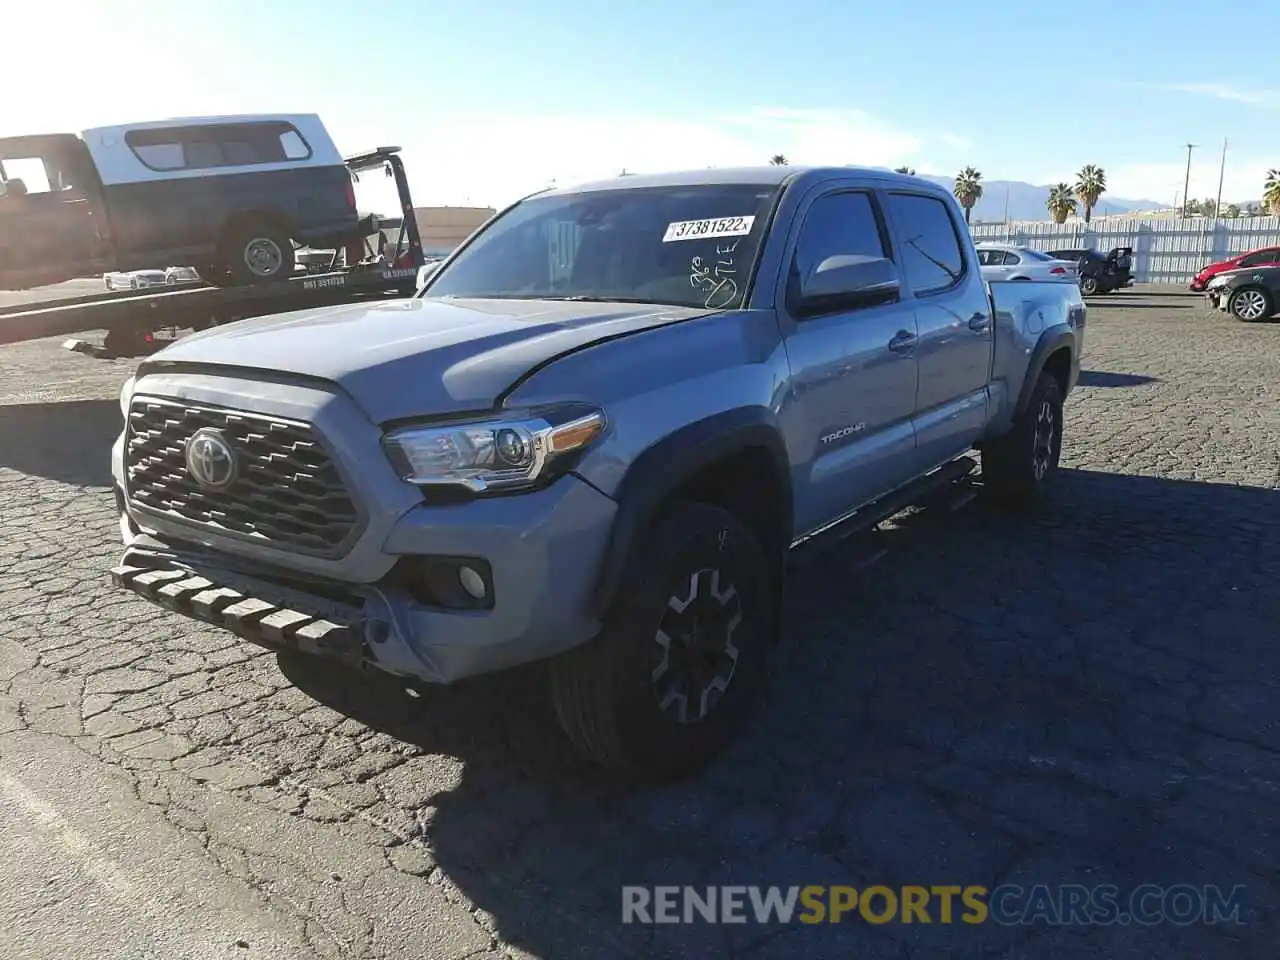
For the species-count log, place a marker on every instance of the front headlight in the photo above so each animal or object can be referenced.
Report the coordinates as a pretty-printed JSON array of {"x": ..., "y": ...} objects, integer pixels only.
[
  {"x": 1217, "y": 282},
  {"x": 509, "y": 452},
  {"x": 126, "y": 394}
]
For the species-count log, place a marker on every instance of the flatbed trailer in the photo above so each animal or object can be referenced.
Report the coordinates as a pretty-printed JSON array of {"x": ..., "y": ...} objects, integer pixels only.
[{"x": 138, "y": 323}]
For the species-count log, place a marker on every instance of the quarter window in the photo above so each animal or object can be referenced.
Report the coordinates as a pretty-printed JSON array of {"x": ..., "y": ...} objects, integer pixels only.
[
  {"x": 931, "y": 254},
  {"x": 218, "y": 145}
]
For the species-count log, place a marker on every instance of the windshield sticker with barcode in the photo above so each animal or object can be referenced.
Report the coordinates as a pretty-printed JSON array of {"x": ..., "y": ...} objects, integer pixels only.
[{"x": 703, "y": 229}]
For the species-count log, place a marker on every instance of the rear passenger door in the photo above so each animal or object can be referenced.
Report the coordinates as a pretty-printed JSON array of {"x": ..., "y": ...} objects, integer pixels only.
[
  {"x": 853, "y": 382},
  {"x": 955, "y": 326},
  {"x": 998, "y": 265}
]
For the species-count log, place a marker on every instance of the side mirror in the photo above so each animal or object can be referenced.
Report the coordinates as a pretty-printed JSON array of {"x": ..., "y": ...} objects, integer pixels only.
[{"x": 846, "y": 282}]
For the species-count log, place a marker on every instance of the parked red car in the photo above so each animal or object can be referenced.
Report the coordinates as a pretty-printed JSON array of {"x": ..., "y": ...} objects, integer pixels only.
[{"x": 1262, "y": 257}]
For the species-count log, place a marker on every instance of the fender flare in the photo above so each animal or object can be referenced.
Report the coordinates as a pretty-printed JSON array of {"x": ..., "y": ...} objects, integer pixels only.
[
  {"x": 663, "y": 467},
  {"x": 1050, "y": 342}
]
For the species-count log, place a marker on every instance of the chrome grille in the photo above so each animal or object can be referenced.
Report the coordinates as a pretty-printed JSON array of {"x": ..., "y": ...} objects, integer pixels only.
[{"x": 287, "y": 494}]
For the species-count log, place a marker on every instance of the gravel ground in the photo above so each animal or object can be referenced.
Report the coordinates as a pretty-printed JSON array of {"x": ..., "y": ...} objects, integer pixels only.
[{"x": 1089, "y": 697}]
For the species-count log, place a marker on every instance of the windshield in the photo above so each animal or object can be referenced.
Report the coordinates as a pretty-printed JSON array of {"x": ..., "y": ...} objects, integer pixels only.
[{"x": 693, "y": 246}]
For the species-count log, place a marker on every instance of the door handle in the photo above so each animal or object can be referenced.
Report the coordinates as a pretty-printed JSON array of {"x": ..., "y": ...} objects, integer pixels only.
[
  {"x": 902, "y": 342},
  {"x": 979, "y": 322}
]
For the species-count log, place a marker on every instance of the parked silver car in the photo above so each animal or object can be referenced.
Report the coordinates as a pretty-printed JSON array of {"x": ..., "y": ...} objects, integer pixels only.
[
  {"x": 134, "y": 279},
  {"x": 1002, "y": 261}
]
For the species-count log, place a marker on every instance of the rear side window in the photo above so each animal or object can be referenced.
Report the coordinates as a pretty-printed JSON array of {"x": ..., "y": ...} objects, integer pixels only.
[
  {"x": 218, "y": 145},
  {"x": 838, "y": 224},
  {"x": 931, "y": 253}
]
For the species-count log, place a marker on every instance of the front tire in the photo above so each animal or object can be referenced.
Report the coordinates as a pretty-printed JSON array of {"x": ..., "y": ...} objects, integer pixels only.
[
  {"x": 1020, "y": 467},
  {"x": 1250, "y": 304},
  {"x": 682, "y": 658}
]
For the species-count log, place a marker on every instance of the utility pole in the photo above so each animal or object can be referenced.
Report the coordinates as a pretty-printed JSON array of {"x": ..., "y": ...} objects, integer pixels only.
[
  {"x": 1186, "y": 184},
  {"x": 1222, "y": 172}
]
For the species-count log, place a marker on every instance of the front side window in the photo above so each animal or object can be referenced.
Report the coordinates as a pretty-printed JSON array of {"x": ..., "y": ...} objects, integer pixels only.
[
  {"x": 931, "y": 253},
  {"x": 691, "y": 246},
  {"x": 837, "y": 224},
  {"x": 1261, "y": 257},
  {"x": 31, "y": 173}
]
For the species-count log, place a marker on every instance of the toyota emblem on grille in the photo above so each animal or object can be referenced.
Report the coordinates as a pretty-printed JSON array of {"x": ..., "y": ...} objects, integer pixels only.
[{"x": 210, "y": 459}]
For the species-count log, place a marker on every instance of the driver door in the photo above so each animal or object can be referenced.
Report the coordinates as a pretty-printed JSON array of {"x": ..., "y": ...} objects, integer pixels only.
[
  {"x": 853, "y": 372},
  {"x": 51, "y": 222}
]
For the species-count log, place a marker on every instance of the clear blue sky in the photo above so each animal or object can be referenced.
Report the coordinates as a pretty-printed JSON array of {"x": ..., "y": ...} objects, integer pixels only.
[{"x": 494, "y": 97}]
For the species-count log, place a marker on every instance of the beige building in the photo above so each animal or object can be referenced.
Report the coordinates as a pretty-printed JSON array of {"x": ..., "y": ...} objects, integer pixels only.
[{"x": 443, "y": 228}]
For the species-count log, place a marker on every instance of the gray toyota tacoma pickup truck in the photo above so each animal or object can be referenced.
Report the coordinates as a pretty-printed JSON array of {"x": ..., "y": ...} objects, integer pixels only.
[{"x": 594, "y": 437}]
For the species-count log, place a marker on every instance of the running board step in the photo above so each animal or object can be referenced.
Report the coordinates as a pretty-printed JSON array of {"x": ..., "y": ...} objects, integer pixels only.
[{"x": 870, "y": 516}]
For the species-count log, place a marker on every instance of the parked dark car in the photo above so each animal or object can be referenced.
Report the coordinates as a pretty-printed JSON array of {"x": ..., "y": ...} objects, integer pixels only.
[
  {"x": 1100, "y": 273},
  {"x": 1251, "y": 295}
]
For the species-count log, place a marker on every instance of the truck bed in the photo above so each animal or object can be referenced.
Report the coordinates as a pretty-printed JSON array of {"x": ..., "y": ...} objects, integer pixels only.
[{"x": 1021, "y": 311}]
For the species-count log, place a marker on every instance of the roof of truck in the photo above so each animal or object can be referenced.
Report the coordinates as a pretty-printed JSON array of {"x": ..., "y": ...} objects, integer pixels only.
[
  {"x": 770, "y": 175},
  {"x": 294, "y": 118}
]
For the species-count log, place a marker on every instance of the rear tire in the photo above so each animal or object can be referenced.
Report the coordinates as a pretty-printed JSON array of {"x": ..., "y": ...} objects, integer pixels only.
[
  {"x": 1020, "y": 467},
  {"x": 257, "y": 253},
  {"x": 682, "y": 658},
  {"x": 1250, "y": 304},
  {"x": 1089, "y": 286}
]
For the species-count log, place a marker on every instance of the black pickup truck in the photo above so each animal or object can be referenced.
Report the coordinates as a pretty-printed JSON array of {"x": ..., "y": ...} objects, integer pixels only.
[
  {"x": 1100, "y": 273},
  {"x": 230, "y": 196}
]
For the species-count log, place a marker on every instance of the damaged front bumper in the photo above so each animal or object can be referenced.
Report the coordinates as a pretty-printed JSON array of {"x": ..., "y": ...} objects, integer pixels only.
[
  {"x": 539, "y": 553},
  {"x": 263, "y": 614}
]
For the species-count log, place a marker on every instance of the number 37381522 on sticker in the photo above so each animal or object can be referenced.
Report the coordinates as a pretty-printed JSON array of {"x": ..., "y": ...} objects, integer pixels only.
[{"x": 703, "y": 229}]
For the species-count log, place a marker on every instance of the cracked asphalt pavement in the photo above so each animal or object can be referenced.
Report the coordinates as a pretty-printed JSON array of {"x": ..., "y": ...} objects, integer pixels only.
[{"x": 1090, "y": 696}]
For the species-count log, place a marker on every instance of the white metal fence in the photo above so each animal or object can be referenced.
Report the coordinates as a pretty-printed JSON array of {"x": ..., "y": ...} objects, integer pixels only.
[{"x": 1164, "y": 251}]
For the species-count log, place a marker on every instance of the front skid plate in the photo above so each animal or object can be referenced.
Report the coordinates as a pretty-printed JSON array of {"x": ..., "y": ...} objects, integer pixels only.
[{"x": 255, "y": 619}]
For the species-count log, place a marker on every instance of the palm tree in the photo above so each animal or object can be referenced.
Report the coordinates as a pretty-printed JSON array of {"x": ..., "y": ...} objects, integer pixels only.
[
  {"x": 778, "y": 160},
  {"x": 968, "y": 189},
  {"x": 1062, "y": 202},
  {"x": 1091, "y": 183},
  {"x": 1271, "y": 191},
  {"x": 909, "y": 171}
]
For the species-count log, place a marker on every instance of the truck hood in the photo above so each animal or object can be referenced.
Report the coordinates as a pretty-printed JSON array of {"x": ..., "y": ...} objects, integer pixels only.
[{"x": 408, "y": 358}]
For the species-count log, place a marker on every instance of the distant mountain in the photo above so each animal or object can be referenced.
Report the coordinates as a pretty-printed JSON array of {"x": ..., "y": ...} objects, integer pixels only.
[{"x": 1026, "y": 201}]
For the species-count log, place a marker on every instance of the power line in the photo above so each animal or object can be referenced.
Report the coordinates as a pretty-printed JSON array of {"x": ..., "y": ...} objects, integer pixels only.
[{"x": 1186, "y": 184}]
